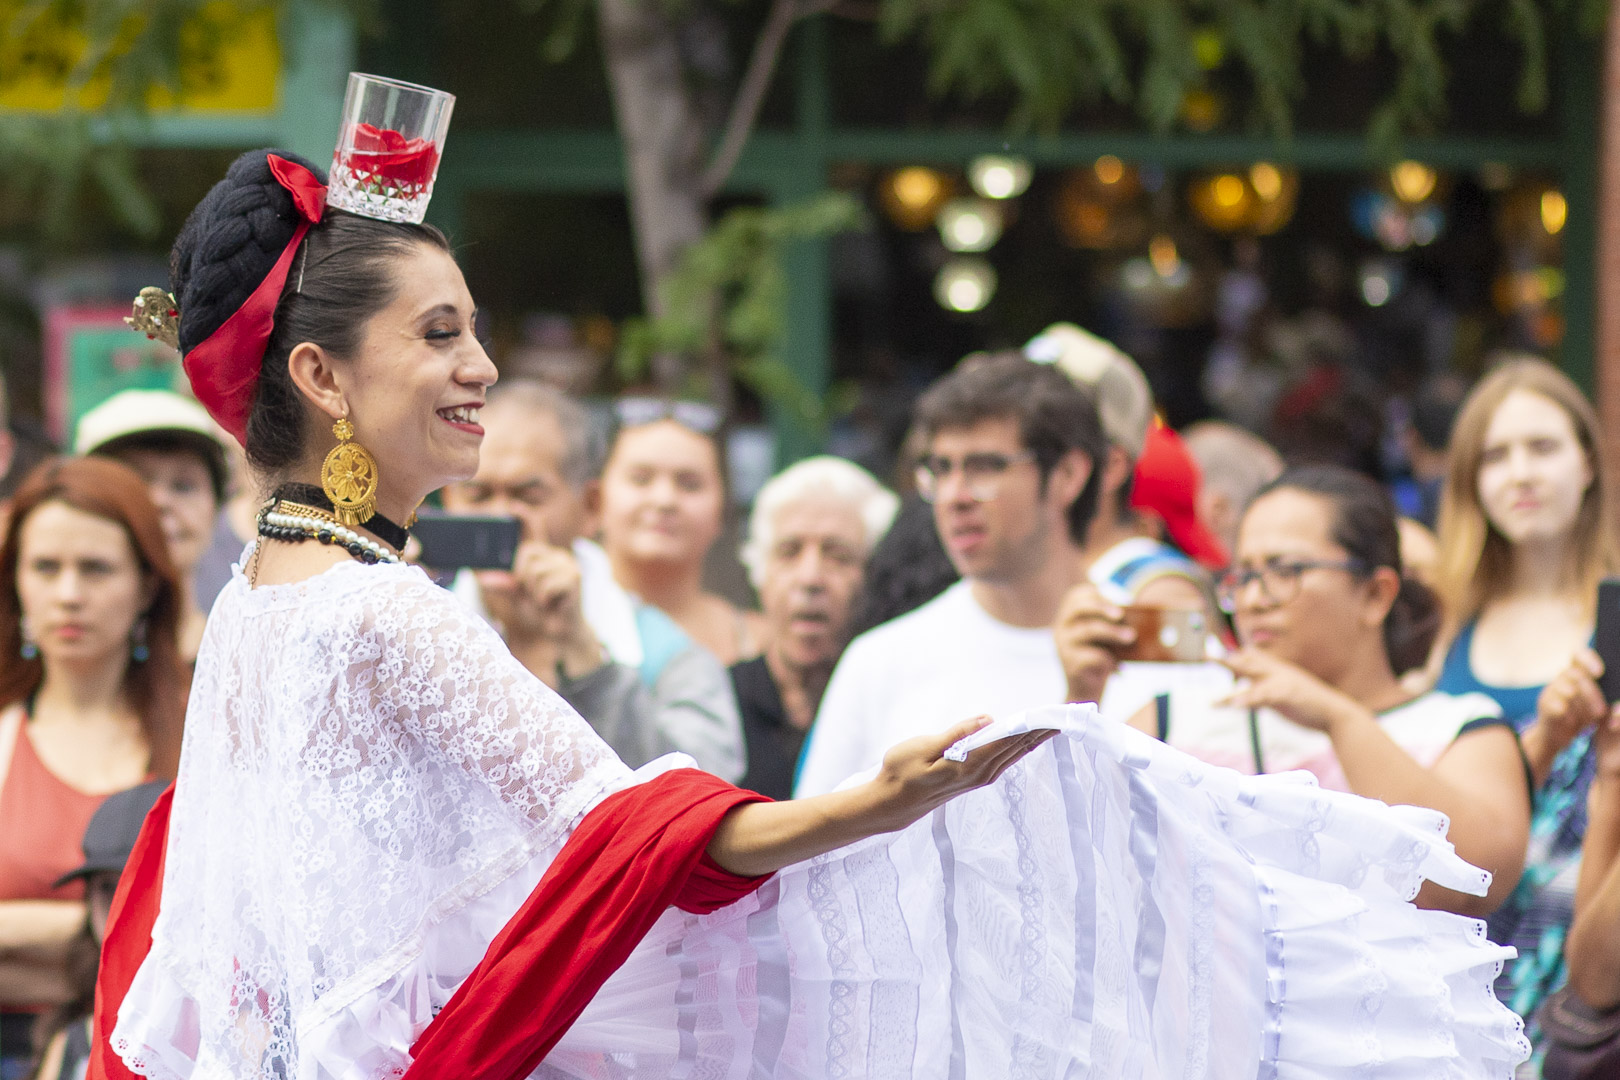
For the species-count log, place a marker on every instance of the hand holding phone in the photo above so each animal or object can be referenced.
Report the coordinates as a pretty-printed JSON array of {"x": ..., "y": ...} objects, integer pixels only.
[
  {"x": 466, "y": 541},
  {"x": 1606, "y": 637}
]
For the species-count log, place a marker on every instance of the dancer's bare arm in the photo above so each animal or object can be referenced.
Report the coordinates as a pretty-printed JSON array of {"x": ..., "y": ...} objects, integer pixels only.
[{"x": 761, "y": 838}]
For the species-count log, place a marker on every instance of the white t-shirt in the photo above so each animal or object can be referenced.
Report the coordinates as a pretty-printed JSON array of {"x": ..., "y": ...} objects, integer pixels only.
[
  {"x": 1424, "y": 727},
  {"x": 943, "y": 663}
]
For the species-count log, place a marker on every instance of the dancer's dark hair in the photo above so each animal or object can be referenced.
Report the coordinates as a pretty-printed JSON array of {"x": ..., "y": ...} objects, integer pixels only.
[{"x": 340, "y": 277}]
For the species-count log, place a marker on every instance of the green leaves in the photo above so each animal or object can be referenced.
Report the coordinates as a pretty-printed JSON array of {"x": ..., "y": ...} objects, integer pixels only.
[
  {"x": 114, "y": 59},
  {"x": 730, "y": 293},
  {"x": 52, "y": 162},
  {"x": 1050, "y": 56}
]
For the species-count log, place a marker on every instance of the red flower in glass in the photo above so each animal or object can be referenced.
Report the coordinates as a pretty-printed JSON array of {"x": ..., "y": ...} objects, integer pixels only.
[{"x": 383, "y": 154}]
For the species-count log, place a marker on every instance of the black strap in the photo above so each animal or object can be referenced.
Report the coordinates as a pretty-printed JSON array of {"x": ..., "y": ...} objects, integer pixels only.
[
  {"x": 1161, "y": 706},
  {"x": 310, "y": 495},
  {"x": 1484, "y": 722},
  {"x": 1254, "y": 742}
]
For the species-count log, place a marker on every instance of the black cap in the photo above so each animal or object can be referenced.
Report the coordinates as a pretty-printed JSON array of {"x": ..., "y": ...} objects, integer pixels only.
[{"x": 113, "y": 831}]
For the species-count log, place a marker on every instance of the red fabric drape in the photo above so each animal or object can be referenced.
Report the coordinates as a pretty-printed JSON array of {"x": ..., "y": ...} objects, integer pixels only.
[
  {"x": 129, "y": 935},
  {"x": 637, "y": 853}
]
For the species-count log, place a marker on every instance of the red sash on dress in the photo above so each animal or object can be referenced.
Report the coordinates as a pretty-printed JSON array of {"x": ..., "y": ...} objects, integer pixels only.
[
  {"x": 129, "y": 935},
  {"x": 639, "y": 852}
]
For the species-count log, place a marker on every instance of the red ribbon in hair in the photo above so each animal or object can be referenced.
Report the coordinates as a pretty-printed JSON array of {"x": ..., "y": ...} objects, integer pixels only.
[{"x": 224, "y": 367}]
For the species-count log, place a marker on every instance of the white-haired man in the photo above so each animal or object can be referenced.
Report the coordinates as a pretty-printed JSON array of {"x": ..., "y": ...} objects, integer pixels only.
[{"x": 810, "y": 531}]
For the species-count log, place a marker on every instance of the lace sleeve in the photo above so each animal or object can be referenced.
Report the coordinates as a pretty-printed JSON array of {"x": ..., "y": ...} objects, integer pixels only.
[{"x": 450, "y": 683}]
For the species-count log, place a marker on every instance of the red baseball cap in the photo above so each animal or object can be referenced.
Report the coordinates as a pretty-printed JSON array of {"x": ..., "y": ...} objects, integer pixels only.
[{"x": 1166, "y": 484}]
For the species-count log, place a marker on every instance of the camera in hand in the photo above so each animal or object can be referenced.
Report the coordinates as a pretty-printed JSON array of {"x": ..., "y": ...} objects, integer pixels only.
[
  {"x": 466, "y": 541},
  {"x": 1166, "y": 635}
]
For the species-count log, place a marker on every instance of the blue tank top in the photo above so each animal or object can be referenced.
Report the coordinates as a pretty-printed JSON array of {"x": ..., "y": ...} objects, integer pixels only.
[
  {"x": 1536, "y": 916},
  {"x": 1457, "y": 677}
]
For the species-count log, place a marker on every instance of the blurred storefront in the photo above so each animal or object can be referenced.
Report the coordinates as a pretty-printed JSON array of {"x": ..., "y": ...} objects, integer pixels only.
[{"x": 1230, "y": 263}]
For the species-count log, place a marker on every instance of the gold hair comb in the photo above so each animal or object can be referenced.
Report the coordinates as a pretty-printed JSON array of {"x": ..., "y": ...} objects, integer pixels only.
[{"x": 157, "y": 316}]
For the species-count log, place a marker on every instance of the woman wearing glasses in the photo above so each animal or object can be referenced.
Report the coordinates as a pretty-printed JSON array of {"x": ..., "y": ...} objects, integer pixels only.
[
  {"x": 1526, "y": 533},
  {"x": 663, "y": 508},
  {"x": 1328, "y": 624}
]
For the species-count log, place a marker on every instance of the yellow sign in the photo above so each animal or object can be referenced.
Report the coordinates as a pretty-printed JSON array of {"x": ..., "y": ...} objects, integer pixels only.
[{"x": 230, "y": 62}]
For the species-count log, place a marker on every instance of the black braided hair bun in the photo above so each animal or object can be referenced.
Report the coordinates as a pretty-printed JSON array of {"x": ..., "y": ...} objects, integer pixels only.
[
  {"x": 230, "y": 242},
  {"x": 345, "y": 271}
]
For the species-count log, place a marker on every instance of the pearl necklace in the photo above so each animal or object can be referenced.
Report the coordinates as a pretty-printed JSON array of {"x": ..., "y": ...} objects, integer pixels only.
[{"x": 293, "y": 528}]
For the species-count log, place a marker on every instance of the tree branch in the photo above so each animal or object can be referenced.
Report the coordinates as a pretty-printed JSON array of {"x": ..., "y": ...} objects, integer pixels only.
[{"x": 756, "y": 81}]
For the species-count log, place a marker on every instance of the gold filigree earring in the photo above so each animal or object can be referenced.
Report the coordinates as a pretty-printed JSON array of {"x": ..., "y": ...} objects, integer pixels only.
[{"x": 349, "y": 477}]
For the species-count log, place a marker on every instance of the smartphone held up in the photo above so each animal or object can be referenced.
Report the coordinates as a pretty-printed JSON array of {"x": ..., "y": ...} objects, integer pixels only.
[{"x": 465, "y": 541}]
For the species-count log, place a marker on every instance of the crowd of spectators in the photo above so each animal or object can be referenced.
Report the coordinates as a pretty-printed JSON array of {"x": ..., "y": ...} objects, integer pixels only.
[{"x": 1426, "y": 642}]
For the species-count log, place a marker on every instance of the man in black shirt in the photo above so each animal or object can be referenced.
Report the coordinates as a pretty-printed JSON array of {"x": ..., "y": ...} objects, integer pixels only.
[{"x": 811, "y": 529}]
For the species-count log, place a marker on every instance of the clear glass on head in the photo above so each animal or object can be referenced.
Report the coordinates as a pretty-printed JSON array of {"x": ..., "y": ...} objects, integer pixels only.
[{"x": 389, "y": 149}]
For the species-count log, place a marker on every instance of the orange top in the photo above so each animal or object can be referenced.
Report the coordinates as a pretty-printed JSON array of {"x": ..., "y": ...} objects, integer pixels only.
[{"x": 50, "y": 816}]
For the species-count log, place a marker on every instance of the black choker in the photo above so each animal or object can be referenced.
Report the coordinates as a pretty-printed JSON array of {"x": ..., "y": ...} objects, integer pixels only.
[{"x": 310, "y": 495}]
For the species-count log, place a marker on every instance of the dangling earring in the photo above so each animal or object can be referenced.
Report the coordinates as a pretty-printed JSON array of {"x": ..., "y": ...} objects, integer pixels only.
[
  {"x": 138, "y": 651},
  {"x": 349, "y": 477},
  {"x": 30, "y": 648}
]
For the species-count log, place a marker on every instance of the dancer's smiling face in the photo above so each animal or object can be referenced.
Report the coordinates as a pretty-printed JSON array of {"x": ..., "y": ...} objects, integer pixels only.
[{"x": 415, "y": 384}]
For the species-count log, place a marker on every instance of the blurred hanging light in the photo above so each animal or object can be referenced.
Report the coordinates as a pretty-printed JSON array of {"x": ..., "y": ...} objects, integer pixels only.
[
  {"x": 1109, "y": 169},
  {"x": 913, "y": 195},
  {"x": 1412, "y": 181},
  {"x": 1276, "y": 190},
  {"x": 1224, "y": 201},
  {"x": 1379, "y": 281},
  {"x": 997, "y": 176},
  {"x": 970, "y": 224},
  {"x": 1266, "y": 179},
  {"x": 1159, "y": 276},
  {"x": 1163, "y": 256},
  {"x": 1554, "y": 211},
  {"x": 965, "y": 284}
]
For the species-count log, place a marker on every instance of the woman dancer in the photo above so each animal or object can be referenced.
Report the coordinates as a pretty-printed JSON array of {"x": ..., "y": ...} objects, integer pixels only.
[{"x": 391, "y": 849}]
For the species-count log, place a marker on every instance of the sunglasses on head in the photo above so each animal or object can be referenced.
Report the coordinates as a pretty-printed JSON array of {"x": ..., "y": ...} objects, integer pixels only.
[{"x": 700, "y": 416}]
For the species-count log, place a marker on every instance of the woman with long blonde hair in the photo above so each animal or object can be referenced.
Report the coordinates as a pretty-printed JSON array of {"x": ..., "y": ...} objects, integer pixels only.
[{"x": 1526, "y": 533}]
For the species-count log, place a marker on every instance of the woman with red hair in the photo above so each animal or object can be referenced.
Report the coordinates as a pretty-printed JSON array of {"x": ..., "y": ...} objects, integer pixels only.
[{"x": 91, "y": 702}]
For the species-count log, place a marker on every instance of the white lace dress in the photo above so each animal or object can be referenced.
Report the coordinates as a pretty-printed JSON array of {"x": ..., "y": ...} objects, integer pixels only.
[{"x": 371, "y": 786}]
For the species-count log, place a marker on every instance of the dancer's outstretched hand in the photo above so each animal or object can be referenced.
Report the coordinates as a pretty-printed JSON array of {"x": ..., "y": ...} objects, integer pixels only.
[
  {"x": 916, "y": 777},
  {"x": 761, "y": 838}
]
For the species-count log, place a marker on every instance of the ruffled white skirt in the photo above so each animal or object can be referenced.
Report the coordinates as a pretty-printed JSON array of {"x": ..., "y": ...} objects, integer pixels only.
[{"x": 1109, "y": 908}]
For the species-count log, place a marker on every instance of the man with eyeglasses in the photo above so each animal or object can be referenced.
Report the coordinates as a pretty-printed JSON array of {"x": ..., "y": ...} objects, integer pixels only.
[
  {"x": 1010, "y": 468},
  {"x": 559, "y": 609}
]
